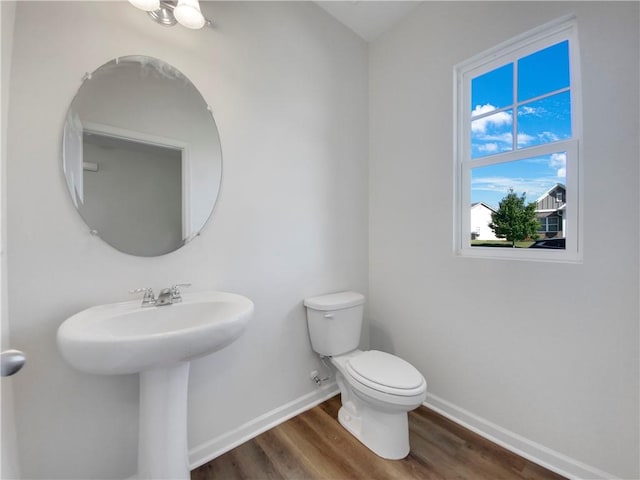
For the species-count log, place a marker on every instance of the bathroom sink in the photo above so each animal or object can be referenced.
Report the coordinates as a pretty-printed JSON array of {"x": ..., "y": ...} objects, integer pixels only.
[
  {"x": 158, "y": 342},
  {"x": 122, "y": 338}
]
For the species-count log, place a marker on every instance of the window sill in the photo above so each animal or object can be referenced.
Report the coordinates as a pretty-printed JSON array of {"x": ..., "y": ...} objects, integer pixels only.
[{"x": 520, "y": 254}]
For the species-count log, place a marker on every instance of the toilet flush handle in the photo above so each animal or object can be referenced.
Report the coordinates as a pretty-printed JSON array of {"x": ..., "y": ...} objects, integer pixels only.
[{"x": 328, "y": 315}]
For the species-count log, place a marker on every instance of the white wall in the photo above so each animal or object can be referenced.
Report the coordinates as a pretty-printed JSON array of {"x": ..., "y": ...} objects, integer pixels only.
[
  {"x": 566, "y": 377},
  {"x": 9, "y": 467},
  {"x": 288, "y": 88}
]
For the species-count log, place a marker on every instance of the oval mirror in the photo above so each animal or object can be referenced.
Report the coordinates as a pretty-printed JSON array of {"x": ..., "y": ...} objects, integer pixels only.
[{"x": 141, "y": 156}]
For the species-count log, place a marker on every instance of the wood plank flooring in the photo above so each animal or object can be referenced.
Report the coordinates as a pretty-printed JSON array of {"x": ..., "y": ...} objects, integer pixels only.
[{"x": 315, "y": 446}]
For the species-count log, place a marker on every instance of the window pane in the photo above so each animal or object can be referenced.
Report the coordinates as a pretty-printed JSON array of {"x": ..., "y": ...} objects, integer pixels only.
[
  {"x": 492, "y": 90},
  {"x": 532, "y": 176},
  {"x": 543, "y": 224},
  {"x": 539, "y": 178},
  {"x": 547, "y": 120},
  {"x": 492, "y": 134},
  {"x": 544, "y": 71}
]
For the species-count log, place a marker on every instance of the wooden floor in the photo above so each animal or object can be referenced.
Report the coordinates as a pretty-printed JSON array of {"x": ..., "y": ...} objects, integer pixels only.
[{"x": 314, "y": 445}]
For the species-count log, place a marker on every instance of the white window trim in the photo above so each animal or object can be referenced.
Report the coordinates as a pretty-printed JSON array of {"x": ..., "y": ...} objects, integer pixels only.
[{"x": 529, "y": 42}]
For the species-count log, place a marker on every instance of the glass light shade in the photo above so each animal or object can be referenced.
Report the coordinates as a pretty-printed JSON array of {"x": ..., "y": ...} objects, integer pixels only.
[
  {"x": 187, "y": 12},
  {"x": 146, "y": 5}
]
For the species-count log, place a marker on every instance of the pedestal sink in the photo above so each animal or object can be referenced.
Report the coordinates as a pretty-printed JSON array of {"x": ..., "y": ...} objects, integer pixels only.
[{"x": 158, "y": 343}]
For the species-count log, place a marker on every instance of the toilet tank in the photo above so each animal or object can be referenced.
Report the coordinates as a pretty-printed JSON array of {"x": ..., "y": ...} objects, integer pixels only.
[{"x": 335, "y": 322}]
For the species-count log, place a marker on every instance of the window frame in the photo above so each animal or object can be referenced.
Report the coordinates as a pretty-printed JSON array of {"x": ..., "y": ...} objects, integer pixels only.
[{"x": 511, "y": 51}]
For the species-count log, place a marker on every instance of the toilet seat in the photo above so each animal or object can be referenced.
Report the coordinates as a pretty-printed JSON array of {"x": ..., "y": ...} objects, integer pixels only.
[{"x": 385, "y": 373}]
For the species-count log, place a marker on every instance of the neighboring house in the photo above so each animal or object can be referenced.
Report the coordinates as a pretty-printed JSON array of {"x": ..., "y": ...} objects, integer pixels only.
[
  {"x": 480, "y": 220},
  {"x": 550, "y": 209}
]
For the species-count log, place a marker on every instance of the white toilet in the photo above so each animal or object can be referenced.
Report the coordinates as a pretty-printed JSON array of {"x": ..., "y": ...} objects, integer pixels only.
[{"x": 377, "y": 388}]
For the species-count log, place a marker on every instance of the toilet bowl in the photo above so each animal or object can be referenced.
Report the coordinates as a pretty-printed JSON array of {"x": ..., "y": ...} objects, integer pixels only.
[{"x": 377, "y": 389}]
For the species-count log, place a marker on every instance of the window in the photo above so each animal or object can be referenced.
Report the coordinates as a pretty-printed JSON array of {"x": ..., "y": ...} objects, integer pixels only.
[
  {"x": 517, "y": 131},
  {"x": 549, "y": 224}
]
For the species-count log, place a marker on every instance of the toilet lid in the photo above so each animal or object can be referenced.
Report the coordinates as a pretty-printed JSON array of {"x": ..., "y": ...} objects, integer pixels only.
[{"x": 379, "y": 369}]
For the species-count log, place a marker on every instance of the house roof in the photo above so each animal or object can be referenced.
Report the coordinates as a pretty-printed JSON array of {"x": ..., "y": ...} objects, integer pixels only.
[
  {"x": 548, "y": 210},
  {"x": 483, "y": 204},
  {"x": 561, "y": 185}
]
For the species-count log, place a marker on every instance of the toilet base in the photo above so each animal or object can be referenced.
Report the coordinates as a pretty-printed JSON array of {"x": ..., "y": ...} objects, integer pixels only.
[
  {"x": 384, "y": 431},
  {"x": 386, "y": 435},
  {"x": 379, "y": 421}
]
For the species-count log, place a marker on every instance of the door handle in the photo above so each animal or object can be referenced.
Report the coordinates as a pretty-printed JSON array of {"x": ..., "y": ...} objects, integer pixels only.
[{"x": 11, "y": 361}]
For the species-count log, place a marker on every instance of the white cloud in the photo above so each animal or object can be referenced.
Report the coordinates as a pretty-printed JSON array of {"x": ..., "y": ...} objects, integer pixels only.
[
  {"x": 558, "y": 161},
  {"x": 488, "y": 147},
  {"x": 527, "y": 110},
  {"x": 533, "y": 187},
  {"x": 499, "y": 119},
  {"x": 498, "y": 138},
  {"x": 481, "y": 109},
  {"x": 525, "y": 139},
  {"x": 548, "y": 137}
]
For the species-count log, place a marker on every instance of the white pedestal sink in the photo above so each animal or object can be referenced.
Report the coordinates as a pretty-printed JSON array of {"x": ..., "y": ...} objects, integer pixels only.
[{"x": 158, "y": 343}]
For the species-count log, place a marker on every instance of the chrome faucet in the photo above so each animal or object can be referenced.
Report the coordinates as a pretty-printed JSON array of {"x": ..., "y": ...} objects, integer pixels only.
[
  {"x": 176, "y": 296},
  {"x": 167, "y": 296},
  {"x": 148, "y": 300}
]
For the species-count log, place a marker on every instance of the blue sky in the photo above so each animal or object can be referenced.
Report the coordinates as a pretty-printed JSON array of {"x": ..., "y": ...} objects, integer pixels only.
[{"x": 539, "y": 121}]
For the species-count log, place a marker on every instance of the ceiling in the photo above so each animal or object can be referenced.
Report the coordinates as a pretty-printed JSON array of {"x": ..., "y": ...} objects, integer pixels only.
[{"x": 368, "y": 18}]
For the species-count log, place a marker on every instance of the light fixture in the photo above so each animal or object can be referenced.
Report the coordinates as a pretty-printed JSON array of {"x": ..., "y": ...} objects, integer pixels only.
[
  {"x": 169, "y": 12},
  {"x": 188, "y": 14},
  {"x": 146, "y": 5}
]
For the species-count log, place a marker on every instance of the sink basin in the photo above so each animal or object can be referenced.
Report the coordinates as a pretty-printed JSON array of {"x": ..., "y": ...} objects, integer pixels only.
[
  {"x": 122, "y": 338},
  {"x": 159, "y": 344}
]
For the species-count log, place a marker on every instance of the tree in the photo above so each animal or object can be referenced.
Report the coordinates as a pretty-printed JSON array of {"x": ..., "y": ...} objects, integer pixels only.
[{"x": 515, "y": 220}]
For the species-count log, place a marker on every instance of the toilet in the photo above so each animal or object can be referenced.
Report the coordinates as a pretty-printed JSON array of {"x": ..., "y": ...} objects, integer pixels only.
[{"x": 377, "y": 389}]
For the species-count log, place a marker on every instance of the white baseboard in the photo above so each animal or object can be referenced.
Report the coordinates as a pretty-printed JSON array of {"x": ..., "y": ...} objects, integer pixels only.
[
  {"x": 535, "y": 452},
  {"x": 207, "y": 451}
]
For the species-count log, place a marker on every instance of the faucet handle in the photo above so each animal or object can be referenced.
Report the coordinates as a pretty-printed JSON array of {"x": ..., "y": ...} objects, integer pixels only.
[
  {"x": 175, "y": 292},
  {"x": 148, "y": 299}
]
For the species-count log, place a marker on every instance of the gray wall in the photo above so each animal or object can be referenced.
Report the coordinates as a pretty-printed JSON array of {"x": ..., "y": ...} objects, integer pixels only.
[
  {"x": 288, "y": 88},
  {"x": 134, "y": 200},
  {"x": 567, "y": 382}
]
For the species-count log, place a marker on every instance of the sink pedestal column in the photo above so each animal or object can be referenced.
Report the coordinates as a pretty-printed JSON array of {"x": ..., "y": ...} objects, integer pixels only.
[{"x": 162, "y": 436}]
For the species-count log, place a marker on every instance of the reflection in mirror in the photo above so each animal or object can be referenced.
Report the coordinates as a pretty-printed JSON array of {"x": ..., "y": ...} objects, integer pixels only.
[{"x": 141, "y": 156}]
